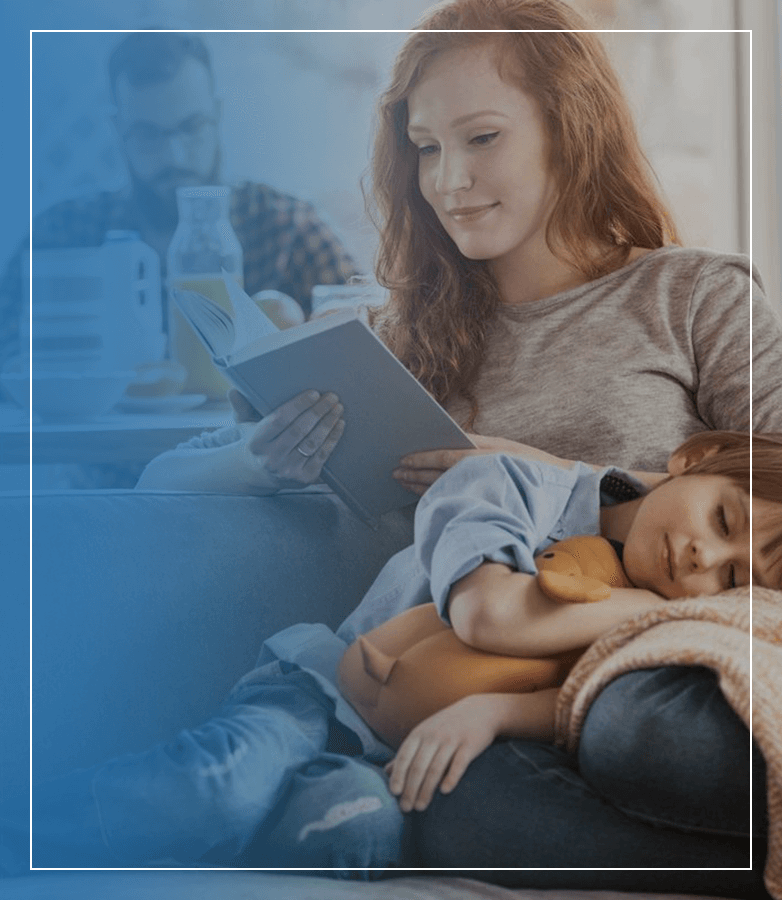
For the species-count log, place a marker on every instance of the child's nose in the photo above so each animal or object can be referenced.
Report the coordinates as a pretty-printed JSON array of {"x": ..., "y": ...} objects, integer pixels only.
[{"x": 704, "y": 556}]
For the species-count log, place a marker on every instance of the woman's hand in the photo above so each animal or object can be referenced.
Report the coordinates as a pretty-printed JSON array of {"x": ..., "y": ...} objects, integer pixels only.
[
  {"x": 418, "y": 471},
  {"x": 265, "y": 459},
  {"x": 439, "y": 749},
  {"x": 288, "y": 448}
]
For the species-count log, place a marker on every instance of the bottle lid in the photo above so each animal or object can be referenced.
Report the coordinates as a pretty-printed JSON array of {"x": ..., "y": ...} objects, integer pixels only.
[
  {"x": 204, "y": 190},
  {"x": 117, "y": 234}
]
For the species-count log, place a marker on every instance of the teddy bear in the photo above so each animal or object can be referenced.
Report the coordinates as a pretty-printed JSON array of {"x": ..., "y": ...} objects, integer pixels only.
[{"x": 401, "y": 672}]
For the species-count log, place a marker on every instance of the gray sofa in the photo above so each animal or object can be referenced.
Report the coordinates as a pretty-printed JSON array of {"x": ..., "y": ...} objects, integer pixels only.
[{"x": 147, "y": 607}]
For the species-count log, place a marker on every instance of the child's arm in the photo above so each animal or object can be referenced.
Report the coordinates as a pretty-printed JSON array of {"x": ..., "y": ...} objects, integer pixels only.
[
  {"x": 438, "y": 751},
  {"x": 497, "y": 609}
]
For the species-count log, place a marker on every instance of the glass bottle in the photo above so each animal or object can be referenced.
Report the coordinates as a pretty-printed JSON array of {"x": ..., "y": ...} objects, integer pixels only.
[{"x": 204, "y": 244}]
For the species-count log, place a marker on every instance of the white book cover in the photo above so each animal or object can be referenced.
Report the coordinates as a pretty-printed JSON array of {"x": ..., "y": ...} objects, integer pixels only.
[{"x": 387, "y": 412}]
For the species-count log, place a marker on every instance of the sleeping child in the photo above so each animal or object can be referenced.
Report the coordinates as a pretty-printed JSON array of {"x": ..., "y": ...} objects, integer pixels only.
[
  {"x": 288, "y": 773},
  {"x": 690, "y": 536}
]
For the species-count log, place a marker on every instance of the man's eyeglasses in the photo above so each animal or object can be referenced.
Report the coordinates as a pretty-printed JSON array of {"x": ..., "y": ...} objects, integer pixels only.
[{"x": 148, "y": 140}]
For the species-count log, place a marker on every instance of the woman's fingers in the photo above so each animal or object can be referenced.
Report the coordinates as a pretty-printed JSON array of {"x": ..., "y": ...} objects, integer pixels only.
[
  {"x": 297, "y": 438},
  {"x": 299, "y": 422},
  {"x": 309, "y": 404},
  {"x": 416, "y": 480},
  {"x": 437, "y": 460},
  {"x": 419, "y": 471},
  {"x": 311, "y": 465},
  {"x": 315, "y": 426}
]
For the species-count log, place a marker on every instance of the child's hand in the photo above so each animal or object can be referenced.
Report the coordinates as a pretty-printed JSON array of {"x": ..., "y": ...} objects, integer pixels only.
[{"x": 438, "y": 751}]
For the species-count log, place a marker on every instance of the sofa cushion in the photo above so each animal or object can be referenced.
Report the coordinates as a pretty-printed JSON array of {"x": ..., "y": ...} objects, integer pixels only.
[{"x": 148, "y": 606}]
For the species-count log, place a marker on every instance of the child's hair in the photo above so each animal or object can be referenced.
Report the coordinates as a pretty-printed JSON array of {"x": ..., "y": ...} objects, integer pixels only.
[{"x": 734, "y": 452}]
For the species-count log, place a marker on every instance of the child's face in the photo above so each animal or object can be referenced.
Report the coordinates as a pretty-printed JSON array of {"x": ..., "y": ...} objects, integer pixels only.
[{"x": 691, "y": 537}]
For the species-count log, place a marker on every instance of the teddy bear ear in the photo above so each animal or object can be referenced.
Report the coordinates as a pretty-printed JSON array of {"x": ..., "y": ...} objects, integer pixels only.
[{"x": 377, "y": 665}]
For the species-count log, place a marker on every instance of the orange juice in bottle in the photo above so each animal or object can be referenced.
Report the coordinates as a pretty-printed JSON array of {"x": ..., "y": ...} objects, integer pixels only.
[{"x": 204, "y": 245}]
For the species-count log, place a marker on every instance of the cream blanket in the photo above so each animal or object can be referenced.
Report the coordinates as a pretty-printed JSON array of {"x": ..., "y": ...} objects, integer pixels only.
[{"x": 713, "y": 632}]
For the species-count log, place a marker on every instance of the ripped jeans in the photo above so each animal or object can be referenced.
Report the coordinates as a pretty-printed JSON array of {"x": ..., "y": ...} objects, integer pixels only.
[{"x": 261, "y": 784}]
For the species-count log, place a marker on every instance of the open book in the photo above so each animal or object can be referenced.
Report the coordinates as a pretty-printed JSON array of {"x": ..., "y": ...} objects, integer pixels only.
[{"x": 387, "y": 412}]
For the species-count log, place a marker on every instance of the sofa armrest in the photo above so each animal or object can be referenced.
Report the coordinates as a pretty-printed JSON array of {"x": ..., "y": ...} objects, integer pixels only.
[{"x": 148, "y": 606}]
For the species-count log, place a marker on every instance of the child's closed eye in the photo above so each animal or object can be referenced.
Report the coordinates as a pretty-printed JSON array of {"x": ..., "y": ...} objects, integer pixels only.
[{"x": 722, "y": 521}]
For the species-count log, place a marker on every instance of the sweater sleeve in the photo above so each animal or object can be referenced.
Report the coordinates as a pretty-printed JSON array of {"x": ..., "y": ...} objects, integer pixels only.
[{"x": 724, "y": 296}]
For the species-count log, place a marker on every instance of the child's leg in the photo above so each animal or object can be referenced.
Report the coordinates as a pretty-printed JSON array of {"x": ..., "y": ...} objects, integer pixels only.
[
  {"x": 204, "y": 792},
  {"x": 337, "y": 814}
]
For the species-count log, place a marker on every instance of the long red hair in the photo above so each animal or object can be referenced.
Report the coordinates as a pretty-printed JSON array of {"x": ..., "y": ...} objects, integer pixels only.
[{"x": 441, "y": 303}]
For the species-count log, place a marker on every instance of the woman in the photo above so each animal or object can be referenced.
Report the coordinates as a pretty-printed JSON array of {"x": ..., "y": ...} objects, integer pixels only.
[{"x": 538, "y": 292}]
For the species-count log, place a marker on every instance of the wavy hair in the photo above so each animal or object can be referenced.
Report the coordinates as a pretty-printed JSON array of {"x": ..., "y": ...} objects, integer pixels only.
[{"x": 440, "y": 303}]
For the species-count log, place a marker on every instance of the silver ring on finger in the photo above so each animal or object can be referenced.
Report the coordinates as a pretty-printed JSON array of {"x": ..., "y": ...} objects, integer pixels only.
[{"x": 304, "y": 452}]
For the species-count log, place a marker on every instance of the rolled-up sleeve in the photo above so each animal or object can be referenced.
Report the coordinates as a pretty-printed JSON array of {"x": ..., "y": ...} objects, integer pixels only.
[{"x": 496, "y": 508}]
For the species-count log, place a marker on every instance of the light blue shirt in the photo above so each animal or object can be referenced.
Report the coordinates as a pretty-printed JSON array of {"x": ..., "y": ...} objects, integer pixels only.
[{"x": 496, "y": 508}]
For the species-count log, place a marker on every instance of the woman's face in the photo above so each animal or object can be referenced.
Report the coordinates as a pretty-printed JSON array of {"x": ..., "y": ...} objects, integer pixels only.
[{"x": 482, "y": 157}]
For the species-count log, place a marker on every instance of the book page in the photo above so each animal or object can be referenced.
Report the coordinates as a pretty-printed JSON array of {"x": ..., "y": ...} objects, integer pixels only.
[{"x": 250, "y": 322}]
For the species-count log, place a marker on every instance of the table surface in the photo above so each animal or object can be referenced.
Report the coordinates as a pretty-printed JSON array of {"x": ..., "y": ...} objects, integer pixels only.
[{"x": 117, "y": 437}]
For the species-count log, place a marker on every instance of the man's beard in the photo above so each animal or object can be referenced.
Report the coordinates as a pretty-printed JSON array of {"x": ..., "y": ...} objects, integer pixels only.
[{"x": 156, "y": 197}]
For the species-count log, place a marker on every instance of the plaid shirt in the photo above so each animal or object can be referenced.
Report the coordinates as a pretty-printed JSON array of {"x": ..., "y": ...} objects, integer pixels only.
[{"x": 286, "y": 246}]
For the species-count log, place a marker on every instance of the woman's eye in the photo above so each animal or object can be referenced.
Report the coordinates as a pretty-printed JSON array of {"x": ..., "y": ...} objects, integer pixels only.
[
  {"x": 483, "y": 139},
  {"x": 722, "y": 520},
  {"x": 427, "y": 150}
]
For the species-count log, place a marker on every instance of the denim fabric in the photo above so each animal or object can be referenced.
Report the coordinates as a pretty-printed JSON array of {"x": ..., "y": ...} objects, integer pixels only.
[
  {"x": 533, "y": 807},
  {"x": 499, "y": 508},
  {"x": 664, "y": 746},
  {"x": 337, "y": 814},
  {"x": 202, "y": 796}
]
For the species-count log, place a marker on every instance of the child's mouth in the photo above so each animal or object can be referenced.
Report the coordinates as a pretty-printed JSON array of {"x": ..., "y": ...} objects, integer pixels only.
[{"x": 667, "y": 557}]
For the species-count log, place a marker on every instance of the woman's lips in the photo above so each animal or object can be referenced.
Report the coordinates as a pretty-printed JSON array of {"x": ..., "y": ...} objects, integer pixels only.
[{"x": 470, "y": 213}]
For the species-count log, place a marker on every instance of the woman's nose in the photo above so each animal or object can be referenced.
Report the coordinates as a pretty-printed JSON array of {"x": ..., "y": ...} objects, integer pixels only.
[{"x": 453, "y": 174}]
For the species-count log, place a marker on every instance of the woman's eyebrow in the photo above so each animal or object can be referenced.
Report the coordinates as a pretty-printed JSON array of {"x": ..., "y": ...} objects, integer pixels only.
[{"x": 412, "y": 128}]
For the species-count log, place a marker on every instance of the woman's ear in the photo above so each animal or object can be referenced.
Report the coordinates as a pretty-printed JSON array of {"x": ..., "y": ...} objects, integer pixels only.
[{"x": 681, "y": 461}]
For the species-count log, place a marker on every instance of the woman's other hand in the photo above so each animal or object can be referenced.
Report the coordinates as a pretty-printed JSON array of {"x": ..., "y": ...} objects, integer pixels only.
[
  {"x": 418, "y": 471},
  {"x": 288, "y": 448}
]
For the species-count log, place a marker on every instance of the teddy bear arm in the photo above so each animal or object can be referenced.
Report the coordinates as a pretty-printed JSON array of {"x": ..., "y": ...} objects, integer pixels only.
[{"x": 572, "y": 588}]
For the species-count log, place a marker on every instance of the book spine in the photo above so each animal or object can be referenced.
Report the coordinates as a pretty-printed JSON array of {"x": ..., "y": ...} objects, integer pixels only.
[
  {"x": 347, "y": 497},
  {"x": 339, "y": 488}
]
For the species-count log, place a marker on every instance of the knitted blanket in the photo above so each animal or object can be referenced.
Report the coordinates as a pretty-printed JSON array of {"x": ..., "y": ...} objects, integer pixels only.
[{"x": 712, "y": 632}]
